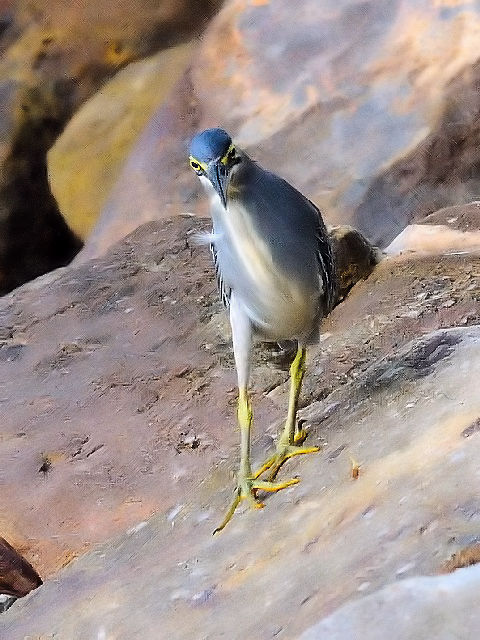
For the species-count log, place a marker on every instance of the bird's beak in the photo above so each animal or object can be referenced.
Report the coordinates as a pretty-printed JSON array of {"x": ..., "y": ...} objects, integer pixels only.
[{"x": 217, "y": 173}]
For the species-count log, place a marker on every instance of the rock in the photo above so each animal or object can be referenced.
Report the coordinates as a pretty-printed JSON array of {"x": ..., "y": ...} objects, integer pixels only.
[
  {"x": 439, "y": 238},
  {"x": 471, "y": 554},
  {"x": 355, "y": 257},
  {"x": 155, "y": 295},
  {"x": 85, "y": 161},
  {"x": 355, "y": 105},
  {"x": 452, "y": 229},
  {"x": 334, "y": 536},
  {"x": 465, "y": 217},
  {"x": 160, "y": 329},
  {"x": 6, "y": 602},
  {"x": 119, "y": 373},
  {"x": 431, "y": 608},
  {"x": 153, "y": 182},
  {"x": 17, "y": 576},
  {"x": 53, "y": 58}
]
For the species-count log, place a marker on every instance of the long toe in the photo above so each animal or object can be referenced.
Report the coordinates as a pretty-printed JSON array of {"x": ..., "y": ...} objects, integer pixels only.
[
  {"x": 247, "y": 490},
  {"x": 283, "y": 453}
]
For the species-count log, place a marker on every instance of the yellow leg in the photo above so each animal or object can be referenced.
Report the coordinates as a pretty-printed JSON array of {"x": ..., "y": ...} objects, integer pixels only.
[
  {"x": 247, "y": 484},
  {"x": 289, "y": 442}
]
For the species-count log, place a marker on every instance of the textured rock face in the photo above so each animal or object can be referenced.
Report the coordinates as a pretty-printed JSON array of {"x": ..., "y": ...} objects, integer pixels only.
[
  {"x": 87, "y": 158},
  {"x": 443, "y": 607},
  {"x": 119, "y": 403},
  {"x": 355, "y": 257},
  {"x": 54, "y": 56},
  {"x": 17, "y": 576},
  {"x": 453, "y": 229},
  {"x": 354, "y": 102},
  {"x": 142, "y": 331}
]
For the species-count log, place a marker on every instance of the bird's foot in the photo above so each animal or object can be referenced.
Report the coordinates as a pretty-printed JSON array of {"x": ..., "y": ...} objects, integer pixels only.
[
  {"x": 283, "y": 453},
  {"x": 247, "y": 488}
]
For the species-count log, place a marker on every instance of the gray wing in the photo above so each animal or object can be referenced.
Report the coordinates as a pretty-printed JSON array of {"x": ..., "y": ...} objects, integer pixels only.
[
  {"x": 292, "y": 224},
  {"x": 224, "y": 291}
]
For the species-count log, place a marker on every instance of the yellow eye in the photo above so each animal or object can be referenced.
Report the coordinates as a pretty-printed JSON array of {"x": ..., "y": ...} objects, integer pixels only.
[{"x": 198, "y": 167}]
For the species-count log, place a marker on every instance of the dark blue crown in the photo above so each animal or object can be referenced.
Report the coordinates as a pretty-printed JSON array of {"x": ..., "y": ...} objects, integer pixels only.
[{"x": 210, "y": 144}]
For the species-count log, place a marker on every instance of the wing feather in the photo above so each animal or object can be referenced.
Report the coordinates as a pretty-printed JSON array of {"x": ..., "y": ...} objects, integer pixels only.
[
  {"x": 224, "y": 291},
  {"x": 326, "y": 262}
]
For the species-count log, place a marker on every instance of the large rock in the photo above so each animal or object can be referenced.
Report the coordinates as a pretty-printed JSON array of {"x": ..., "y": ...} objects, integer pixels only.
[
  {"x": 452, "y": 229},
  {"x": 439, "y": 608},
  {"x": 119, "y": 402},
  {"x": 141, "y": 330},
  {"x": 311, "y": 549},
  {"x": 54, "y": 56},
  {"x": 85, "y": 161},
  {"x": 17, "y": 576},
  {"x": 355, "y": 103}
]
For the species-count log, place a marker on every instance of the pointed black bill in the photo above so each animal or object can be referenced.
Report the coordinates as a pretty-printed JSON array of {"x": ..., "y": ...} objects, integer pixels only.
[{"x": 218, "y": 175}]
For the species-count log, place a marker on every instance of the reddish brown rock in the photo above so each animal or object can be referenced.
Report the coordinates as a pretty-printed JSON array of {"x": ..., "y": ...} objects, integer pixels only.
[
  {"x": 140, "y": 342},
  {"x": 17, "y": 576},
  {"x": 115, "y": 455},
  {"x": 141, "y": 331},
  {"x": 119, "y": 403}
]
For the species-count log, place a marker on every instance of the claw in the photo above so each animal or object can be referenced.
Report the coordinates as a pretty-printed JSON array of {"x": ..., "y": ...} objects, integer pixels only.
[
  {"x": 284, "y": 452},
  {"x": 247, "y": 489}
]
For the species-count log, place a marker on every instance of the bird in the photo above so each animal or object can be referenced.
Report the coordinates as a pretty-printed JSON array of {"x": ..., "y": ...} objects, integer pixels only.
[{"x": 275, "y": 272}]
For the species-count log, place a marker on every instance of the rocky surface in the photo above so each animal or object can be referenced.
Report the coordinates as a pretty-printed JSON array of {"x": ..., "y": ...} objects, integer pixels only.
[
  {"x": 451, "y": 230},
  {"x": 85, "y": 161},
  {"x": 53, "y": 57},
  {"x": 17, "y": 576},
  {"x": 441, "y": 607},
  {"x": 355, "y": 257},
  {"x": 118, "y": 426},
  {"x": 141, "y": 331},
  {"x": 354, "y": 102}
]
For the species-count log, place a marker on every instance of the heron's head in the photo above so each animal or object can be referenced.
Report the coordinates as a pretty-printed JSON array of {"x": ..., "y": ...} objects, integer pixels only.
[{"x": 212, "y": 156}]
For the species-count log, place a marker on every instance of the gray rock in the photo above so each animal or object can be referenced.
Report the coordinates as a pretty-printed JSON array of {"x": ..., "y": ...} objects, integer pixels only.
[
  {"x": 6, "y": 602},
  {"x": 114, "y": 368},
  {"x": 431, "y": 608}
]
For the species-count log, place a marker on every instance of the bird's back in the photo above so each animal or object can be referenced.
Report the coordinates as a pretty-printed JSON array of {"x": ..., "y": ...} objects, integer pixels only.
[{"x": 273, "y": 250}]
